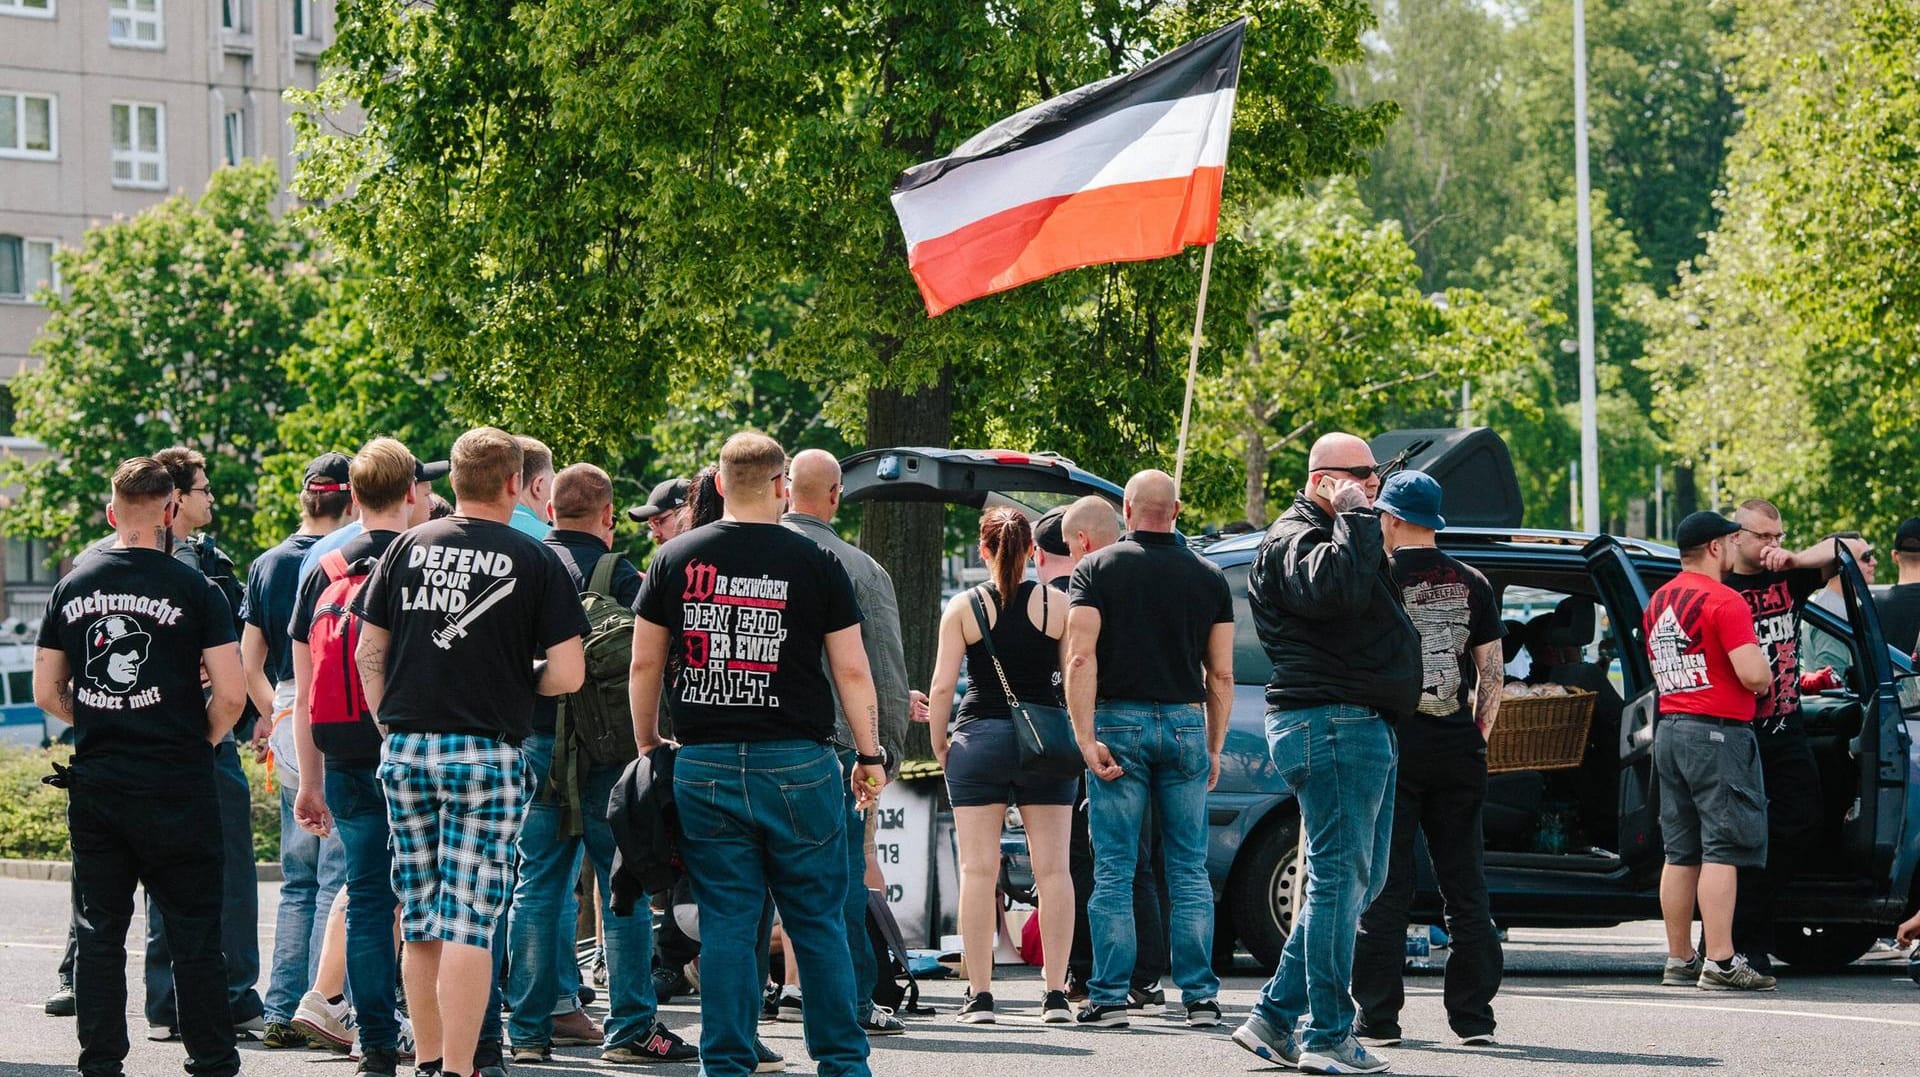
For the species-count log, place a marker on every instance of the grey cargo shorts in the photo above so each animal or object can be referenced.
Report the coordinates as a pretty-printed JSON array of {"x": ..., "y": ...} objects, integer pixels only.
[{"x": 1713, "y": 800}]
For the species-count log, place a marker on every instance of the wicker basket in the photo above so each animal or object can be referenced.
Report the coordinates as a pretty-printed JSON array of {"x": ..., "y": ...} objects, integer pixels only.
[{"x": 1540, "y": 732}]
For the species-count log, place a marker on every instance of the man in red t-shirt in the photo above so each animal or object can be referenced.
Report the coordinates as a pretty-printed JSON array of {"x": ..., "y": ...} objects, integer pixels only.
[{"x": 1708, "y": 668}]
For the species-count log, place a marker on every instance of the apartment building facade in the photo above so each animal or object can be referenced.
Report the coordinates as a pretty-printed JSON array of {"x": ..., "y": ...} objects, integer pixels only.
[{"x": 108, "y": 107}]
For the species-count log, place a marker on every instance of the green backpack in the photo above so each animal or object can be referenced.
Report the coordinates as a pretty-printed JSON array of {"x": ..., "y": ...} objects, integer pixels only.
[{"x": 597, "y": 716}]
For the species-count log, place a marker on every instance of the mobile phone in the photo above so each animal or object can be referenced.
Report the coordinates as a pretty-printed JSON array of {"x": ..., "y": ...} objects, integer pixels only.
[{"x": 1326, "y": 487}]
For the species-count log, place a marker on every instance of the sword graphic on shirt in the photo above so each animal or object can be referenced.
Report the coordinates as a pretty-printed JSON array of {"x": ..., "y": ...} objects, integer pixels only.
[{"x": 457, "y": 623}]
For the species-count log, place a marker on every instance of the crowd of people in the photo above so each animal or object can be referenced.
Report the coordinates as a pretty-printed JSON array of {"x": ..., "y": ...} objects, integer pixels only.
[{"x": 464, "y": 703}]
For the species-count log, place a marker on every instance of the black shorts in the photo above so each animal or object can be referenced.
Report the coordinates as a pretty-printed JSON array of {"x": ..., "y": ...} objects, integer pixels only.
[
  {"x": 983, "y": 768},
  {"x": 1713, "y": 799}
]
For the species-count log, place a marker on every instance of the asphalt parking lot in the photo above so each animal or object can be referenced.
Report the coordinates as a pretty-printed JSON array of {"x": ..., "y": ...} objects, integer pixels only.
[{"x": 1575, "y": 1002}]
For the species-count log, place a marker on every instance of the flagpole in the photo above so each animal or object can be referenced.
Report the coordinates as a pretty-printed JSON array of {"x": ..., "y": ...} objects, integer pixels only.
[{"x": 1193, "y": 369}]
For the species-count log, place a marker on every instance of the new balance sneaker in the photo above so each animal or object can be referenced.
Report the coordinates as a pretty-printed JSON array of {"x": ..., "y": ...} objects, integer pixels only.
[
  {"x": 787, "y": 1006},
  {"x": 1257, "y": 1035},
  {"x": 280, "y": 1035},
  {"x": 767, "y": 1060},
  {"x": 1055, "y": 1009},
  {"x": 1150, "y": 997},
  {"x": 60, "y": 1003},
  {"x": 658, "y": 1045},
  {"x": 377, "y": 1062},
  {"x": 531, "y": 1054},
  {"x": 976, "y": 1009},
  {"x": 1348, "y": 1057},
  {"x": 329, "y": 1024},
  {"x": 880, "y": 1021},
  {"x": 1680, "y": 973},
  {"x": 1734, "y": 975},
  {"x": 405, "y": 1049},
  {"x": 1094, "y": 1015},
  {"x": 1203, "y": 1014},
  {"x": 1376, "y": 1035},
  {"x": 576, "y": 1029}
]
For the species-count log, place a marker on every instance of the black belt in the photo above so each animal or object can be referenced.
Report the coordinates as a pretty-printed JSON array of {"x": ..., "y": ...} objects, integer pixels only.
[{"x": 1710, "y": 720}]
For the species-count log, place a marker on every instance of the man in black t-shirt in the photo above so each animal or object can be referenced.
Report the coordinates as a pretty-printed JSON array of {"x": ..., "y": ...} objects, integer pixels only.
[
  {"x": 1149, "y": 682},
  {"x": 749, "y": 605},
  {"x": 121, "y": 648},
  {"x": 451, "y": 620},
  {"x": 1899, "y": 605},
  {"x": 339, "y": 752},
  {"x": 1441, "y": 783},
  {"x": 1774, "y": 582}
]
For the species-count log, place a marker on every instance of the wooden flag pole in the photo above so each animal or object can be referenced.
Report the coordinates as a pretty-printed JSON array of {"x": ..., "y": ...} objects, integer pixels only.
[{"x": 1193, "y": 369}]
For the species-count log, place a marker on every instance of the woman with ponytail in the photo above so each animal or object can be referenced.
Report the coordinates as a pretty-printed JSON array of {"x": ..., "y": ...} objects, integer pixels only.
[{"x": 1026, "y": 621}]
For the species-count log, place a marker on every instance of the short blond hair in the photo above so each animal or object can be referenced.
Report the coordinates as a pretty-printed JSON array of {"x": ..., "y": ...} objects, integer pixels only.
[
  {"x": 484, "y": 459},
  {"x": 748, "y": 462},
  {"x": 580, "y": 492},
  {"x": 381, "y": 473}
]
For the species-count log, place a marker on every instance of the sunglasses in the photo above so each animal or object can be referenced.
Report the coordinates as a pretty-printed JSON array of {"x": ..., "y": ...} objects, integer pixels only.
[{"x": 1361, "y": 472}]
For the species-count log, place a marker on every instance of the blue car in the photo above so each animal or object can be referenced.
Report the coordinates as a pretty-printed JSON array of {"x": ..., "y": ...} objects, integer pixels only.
[{"x": 1576, "y": 846}]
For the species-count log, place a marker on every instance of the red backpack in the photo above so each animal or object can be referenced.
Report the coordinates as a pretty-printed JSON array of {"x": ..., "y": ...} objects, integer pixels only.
[{"x": 337, "y": 697}]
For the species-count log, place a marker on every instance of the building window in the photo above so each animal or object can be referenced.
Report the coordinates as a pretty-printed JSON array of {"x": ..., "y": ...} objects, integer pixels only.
[
  {"x": 139, "y": 145},
  {"x": 26, "y": 266},
  {"x": 40, "y": 9},
  {"x": 236, "y": 16},
  {"x": 29, "y": 561},
  {"x": 27, "y": 126},
  {"x": 233, "y": 130},
  {"x": 303, "y": 28},
  {"x": 135, "y": 23}
]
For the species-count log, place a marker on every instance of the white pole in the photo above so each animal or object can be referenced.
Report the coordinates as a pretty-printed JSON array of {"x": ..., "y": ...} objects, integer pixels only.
[
  {"x": 1193, "y": 369},
  {"x": 1589, "y": 417},
  {"x": 1659, "y": 502}
]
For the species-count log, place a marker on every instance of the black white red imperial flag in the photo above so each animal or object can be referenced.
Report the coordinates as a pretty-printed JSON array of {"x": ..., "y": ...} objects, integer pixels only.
[{"x": 1121, "y": 170}]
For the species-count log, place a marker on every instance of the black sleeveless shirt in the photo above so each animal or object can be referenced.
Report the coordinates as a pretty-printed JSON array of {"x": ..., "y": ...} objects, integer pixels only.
[{"x": 1030, "y": 657}]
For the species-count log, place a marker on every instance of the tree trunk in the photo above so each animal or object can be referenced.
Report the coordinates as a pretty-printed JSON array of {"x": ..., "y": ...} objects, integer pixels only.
[
  {"x": 908, "y": 539},
  {"x": 1258, "y": 455}
]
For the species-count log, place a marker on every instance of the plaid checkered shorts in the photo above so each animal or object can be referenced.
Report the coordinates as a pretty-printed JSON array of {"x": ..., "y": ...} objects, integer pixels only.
[{"x": 454, "y": 803}]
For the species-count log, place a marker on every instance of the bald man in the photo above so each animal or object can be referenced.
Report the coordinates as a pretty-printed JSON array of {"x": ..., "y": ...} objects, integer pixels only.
[
  {"x": 815, "y": 486},
  {"x": 1346, "y": 659},
  {"x": 1149, "y": 680}
]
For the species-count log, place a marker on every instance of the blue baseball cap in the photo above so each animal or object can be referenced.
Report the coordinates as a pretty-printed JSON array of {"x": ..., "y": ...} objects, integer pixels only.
[{"x": 1412, "y": 496}]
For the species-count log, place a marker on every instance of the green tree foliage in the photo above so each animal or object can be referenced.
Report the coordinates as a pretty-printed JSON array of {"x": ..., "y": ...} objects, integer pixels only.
[
  {"x": 169, "y": 329},
  {"x": 1340, "y": 338}
]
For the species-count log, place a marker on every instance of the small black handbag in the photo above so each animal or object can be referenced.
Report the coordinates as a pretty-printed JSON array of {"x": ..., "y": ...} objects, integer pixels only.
[{"x": 1044, "y": 734}]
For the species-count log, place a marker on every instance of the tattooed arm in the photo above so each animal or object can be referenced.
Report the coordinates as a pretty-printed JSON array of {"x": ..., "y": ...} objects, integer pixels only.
[
  {"x": 53, "y": 683},
  {"x": 1488, "y": 660},
  {"x": 371, "y": 657}
]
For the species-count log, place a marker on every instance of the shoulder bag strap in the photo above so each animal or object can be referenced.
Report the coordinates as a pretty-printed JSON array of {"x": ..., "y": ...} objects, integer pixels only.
[
  {"x": 986, "y": 637},
  {"x": 602, "y": 582}
]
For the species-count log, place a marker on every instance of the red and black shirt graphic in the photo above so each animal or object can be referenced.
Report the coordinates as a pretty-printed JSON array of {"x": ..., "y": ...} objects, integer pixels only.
[{"x": 1693, "y": 623}]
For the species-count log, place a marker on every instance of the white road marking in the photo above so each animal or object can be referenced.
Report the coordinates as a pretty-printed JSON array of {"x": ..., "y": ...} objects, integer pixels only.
[{"x": 1756, "y": 1011}]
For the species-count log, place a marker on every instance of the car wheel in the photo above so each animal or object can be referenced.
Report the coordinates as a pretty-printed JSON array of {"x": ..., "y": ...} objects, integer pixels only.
[
  {"x": 1265, "y": 888},
  {"x": 1817, "y": 947}
]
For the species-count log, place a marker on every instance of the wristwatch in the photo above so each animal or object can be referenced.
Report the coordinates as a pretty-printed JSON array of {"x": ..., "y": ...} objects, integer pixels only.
[{"x": 880, "y": 760}]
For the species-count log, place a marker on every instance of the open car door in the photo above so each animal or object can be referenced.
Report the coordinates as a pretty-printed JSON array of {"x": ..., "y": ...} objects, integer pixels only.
[
  {"x": 1625, "y": 597},
  {"x": 980, "y": 478},
  {"x": 1880, "y": 749}
]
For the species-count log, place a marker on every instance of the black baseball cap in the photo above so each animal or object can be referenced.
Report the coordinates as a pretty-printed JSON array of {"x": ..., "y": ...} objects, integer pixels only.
[
  {"x": 427, "y": 472},
  {"x": 1907, "y": 539},
  {"x": 1702, "y": 527},
  {"x": 1047, "y": 534},
  {"x": 328, "y": 473},
  {"x": 666, "y": 497}
]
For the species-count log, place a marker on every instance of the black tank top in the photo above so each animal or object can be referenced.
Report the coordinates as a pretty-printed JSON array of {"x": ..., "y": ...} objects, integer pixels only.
[{"x": 1030, "y": 657}]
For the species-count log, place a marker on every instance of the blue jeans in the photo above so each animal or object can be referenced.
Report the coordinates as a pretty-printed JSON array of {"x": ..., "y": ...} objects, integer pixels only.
[
  {"x": 859, "y": 946},
  {"x": 1340, "y": 761},
  {"x": 549, "y": 862},
  {"x": 759, "y": 817},
  {"x": 1162, "y": 748},
  {"x": 239, "y": 904},
  {"x": 359, "y": 808},
  {"x": 312, "y": 871}
]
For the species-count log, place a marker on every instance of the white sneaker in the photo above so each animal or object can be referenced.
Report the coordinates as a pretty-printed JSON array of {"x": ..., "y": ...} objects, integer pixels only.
[{"x": 328, "y": 1022}]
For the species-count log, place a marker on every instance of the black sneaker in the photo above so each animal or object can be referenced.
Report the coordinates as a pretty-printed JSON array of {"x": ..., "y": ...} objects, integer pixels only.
[
  {"x": 488, "y": 1061},
  {"x": 1150, "y": 997},
  {"x": 976, "y": 1009},
  {"x": 658, "y": 1045},
  {"x": 377, "y": 1062},
  {"x": 1055, "y": 1009},
  {"x": 1094, "y": 1015},
  {"x": 766, "y": 1059},
  {"x": 1376, "y": 1035},
  {"x": 60, "y": 1003},
  {"x": 788, "y": 1007},
  {"x": 1203, "y": 1014},
  {"x": 669, "y": 982}
]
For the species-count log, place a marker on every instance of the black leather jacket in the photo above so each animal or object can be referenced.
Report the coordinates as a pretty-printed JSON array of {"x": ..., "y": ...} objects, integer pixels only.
[{"x": 1330, "y": 616}]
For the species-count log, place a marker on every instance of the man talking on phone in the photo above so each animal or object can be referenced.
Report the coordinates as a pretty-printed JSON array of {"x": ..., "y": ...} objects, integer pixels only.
[{"x": 1346, "y": 659}]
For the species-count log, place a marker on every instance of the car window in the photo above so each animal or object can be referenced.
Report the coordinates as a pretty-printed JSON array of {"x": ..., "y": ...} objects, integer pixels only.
[
  {"x": 20, "y": 686},
  {"x": 1821, "y": 647},
  {"x": 1250, "y": 664}
]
